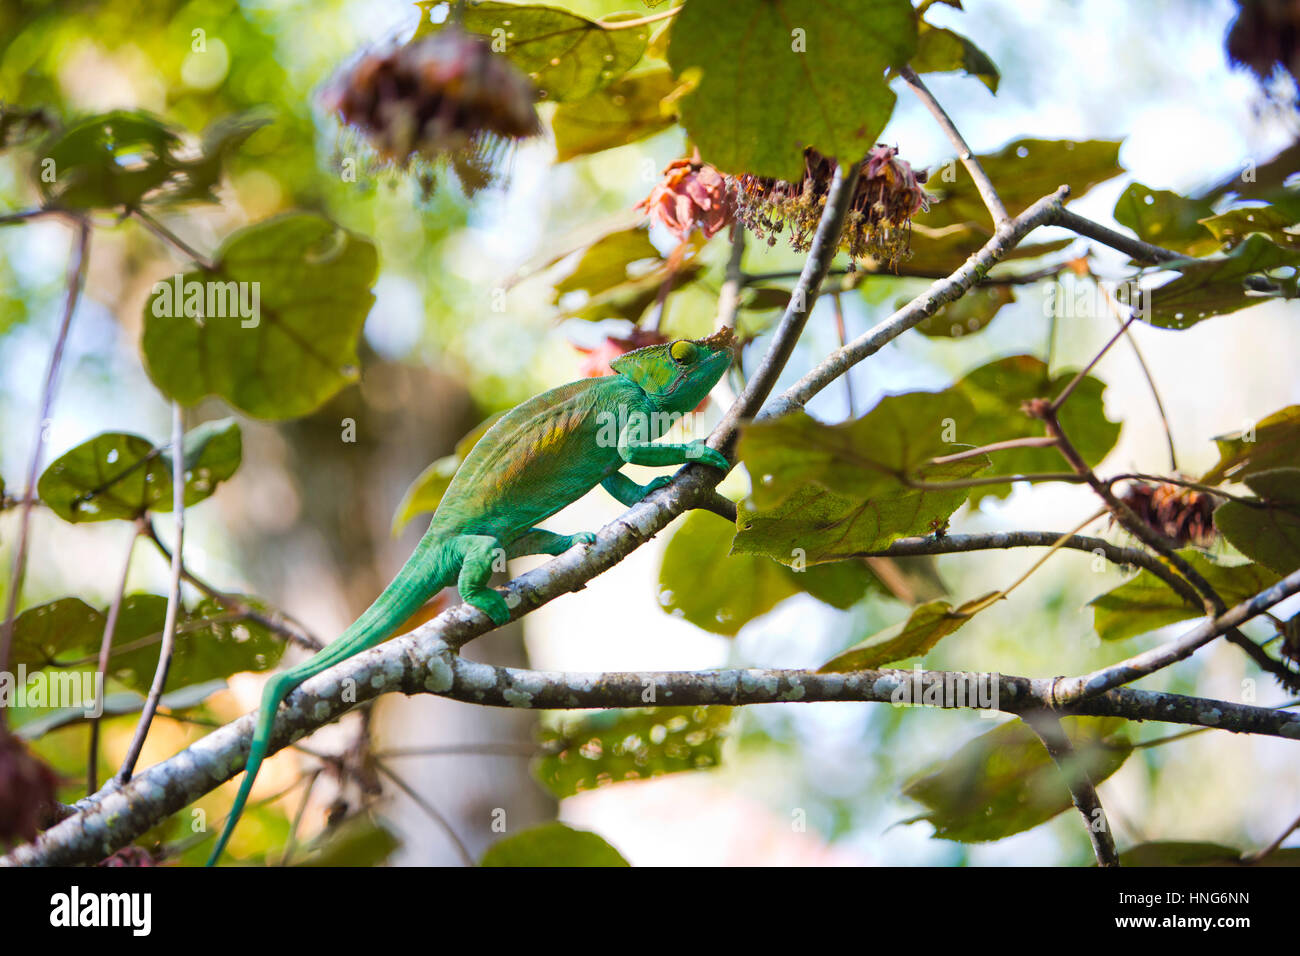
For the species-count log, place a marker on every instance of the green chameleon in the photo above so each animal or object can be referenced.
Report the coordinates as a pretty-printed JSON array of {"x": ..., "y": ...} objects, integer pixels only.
[{"x": 541, "y": 456}]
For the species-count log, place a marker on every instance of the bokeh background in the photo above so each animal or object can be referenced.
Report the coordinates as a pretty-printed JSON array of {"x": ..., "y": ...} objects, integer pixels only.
[{"x": 306, "y": 521}]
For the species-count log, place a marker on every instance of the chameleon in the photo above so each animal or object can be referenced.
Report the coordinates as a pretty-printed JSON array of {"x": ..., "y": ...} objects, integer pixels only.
[{"x": 536, "y": 459}]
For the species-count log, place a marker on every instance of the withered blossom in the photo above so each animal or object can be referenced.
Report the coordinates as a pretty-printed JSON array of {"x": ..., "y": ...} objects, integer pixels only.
[
  {"x": 446, "y": 95},
  {"x": 1183, "y": 514},
  {"x": 691, "y": 195},
  {"x": 878, "y": 224}
]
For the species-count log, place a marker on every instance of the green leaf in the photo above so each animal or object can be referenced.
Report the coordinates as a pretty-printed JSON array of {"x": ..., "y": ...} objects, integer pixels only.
[
  {"x": 310, "y": 282},
  {"x": 996, "y": 392},
  {"x": 741, "y": 587},
  {"x": 1218, "y": 285},
  {"x": 1146, "y": 603},
  {"x": 67, "y": 628},
  {"x": 943, "y": 51},
  {"x": 118, "y": 475},
  {"x": 1003, "y": 782},
  {"x": 1166, "y": 219},
  {"x": 425, "y": 493},
  {"x": 1267, "y": 529},
  {"x": 210, "y": 644},
  {"x": 970, "y": 314},
  {"x": 1273, "y": 442},
  {"x": 108, "y": 160},
  {"x": 613, "y": 746},
  {"x": 1182, "y": 853},
  {"x": 824, "y": 492},
  {"x": 621, "y": 274},
  {"x": 360, "y": 841},
  {"x": 125, "y": 159},
  {"x": 629, "y": 109},
  {"x": 780, "y": 75},
  {"x": 927, "y": 626},
  {"x": 865, "y": 458},
  {"x": 1023, "y": 172},
  {"x": 567, "y": 56},
  {"x": 1278, "y": 223},
  {"x": 550, "y": 845}
]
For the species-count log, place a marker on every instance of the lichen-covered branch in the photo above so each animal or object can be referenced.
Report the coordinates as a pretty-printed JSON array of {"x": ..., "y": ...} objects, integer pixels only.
[{"x": 424, "y": 662}]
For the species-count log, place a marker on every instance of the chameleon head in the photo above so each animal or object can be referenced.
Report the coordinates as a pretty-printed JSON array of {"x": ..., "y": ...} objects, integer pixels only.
[{"x": 677, "y": 375}]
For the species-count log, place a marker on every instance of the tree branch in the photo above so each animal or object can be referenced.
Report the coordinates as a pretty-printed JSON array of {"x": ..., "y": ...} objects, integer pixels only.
[
  {"x": 424, "y": 662},
  {"x": 1082, "y": 791}
]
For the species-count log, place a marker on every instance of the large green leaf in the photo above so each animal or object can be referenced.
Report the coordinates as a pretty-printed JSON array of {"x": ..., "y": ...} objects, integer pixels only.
[
  {"x": 123, "y": 159},
  {"x": 945, "y": 51},
  {"x": 58, "y": 631},
  {"x": 629, "y": 109},
  {"x": 782, "y": 75},
  {"x": 1181, "y": 853},
  {"x": 118, "y": 475},
  {"x": 551, "y": 845},
  {"x": 925, "y": 627},
  {"x": 1266, "y": 529},
  {"x": 996, "y": 392},
  {"x": 359, "y": 842},
  {"x": 589, "y": 751},
  {"x": 1217, "y": 285},
  {"x": 1273, "y": 442},
  {"x": 1147, "y": 603},
  {"x": 1280, "y": 222},
  {"x": 970, "y": 314},
  {"x": 1023, "y": 172},
  {"x": 1003, "y": 782},
  {"x": 311, "y": 280},
  {"x": 566, "y": 55},
  {"x": 823, "y": 492},
  {"x": 1166, "y": 219},
  {"x": 741, "y": 587},
  {"x": 210, "y": 644}
]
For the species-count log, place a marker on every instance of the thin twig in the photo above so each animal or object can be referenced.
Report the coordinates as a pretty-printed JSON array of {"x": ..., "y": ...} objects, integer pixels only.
[
  {"x": 733, "y": 281},
  {"x": 101, "y": 667},
  {"x": 843, "y": 337},
  {"x": 169, "y": 237},
  {"x": 466, "y": 857},
  {"x": 1274, "y": 846},
  {"x": 291, "y": 843},
  {"x": 987, "y": 191},
  {"x": 173, "y": 601},
  {"x": 76, "y": 277},
  {"x": 1082, "y": 790},
  {"x": 1071, "y": 690},
  {"x": 1142, "y": 364},
  {"x": 1005, "y": 238},
  {"x": 280, "y": 623},
  {"x": 1083, "y": 372},
  {"x": 1137, "y": 249},
  {"x": 1029, "y": 441},
  {"x": 825, "y": 244}
]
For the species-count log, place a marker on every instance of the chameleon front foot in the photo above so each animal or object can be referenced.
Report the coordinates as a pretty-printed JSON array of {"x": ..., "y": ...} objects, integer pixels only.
[
  {"x": 699, "y": 452},
  {"x": 490, "y": 603}
]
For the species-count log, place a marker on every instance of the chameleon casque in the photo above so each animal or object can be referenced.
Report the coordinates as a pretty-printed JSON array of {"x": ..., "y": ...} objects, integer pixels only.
[{"x": 538, "y": 458}]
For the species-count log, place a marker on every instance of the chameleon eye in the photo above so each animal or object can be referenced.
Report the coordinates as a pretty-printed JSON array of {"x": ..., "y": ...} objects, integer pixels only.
[{"x": 683, "y": 352}]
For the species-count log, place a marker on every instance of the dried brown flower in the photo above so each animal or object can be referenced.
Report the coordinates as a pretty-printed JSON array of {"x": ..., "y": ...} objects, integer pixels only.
[
  {"x": 879, "y": 220},
  {"x": 444, "y": 95},
  {"x": 129, "y": 856},
  {"x": 27, "y": 788},
  {"x": 691, "y": 195},
  {"x": 1183, "y": 514}
]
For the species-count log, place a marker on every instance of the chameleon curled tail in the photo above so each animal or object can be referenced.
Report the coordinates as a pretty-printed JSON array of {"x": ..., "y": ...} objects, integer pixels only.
[{"x": 427, "y": 571}]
